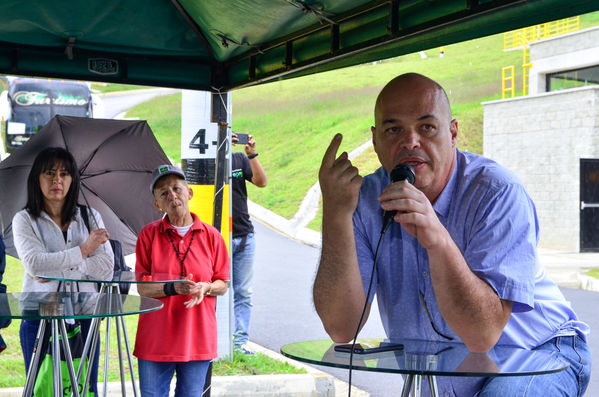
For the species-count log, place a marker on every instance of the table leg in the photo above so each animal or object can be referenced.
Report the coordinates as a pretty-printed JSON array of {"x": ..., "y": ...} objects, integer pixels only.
[
  {"x": 107, "y": 344},
  {"x": 113, "y": 293},
  {"x": 432, "y": 384},
  {"x": 417, "y": 386},
  {"x": 92, "y": 340},
  {"x": 94, "y": 335},
  {"x": 35, "y": 361},
  {"x": 68, "y": 358},
  {"x": 416, "y": 380},
  {"x": 120, "y": 353},
  {"x": 128, "y": 349},
  {"x": 56, "y": 373},
  {"x": 407, "y": 386}
]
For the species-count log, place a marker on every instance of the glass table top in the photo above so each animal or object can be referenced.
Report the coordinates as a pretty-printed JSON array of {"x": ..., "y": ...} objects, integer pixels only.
[
  {"x": 67, "y": 305},
  {"x": 419, "y": 357},
  {"x": 123, "y": 277}
]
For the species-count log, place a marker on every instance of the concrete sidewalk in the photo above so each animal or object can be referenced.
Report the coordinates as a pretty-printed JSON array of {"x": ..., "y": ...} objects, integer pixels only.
[{"x": 568, "y": 269}]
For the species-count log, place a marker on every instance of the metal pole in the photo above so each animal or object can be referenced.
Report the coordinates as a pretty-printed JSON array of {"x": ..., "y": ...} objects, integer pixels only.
[
  {"x": 120, "y": 321},
  {"x": 219, "y": 113},
  {"x": 56, "y": 372},
  {"x": 107, "y": 347},
  {"x": 129, "y": 356},
  {"x": 417, "y": 385},
  {"x": 69, "y": 358},
  {"x": 92, "y": 355},
  {"x": 35, "y": 360},
  {"x": 407, "y": 386},
  {"x": 432, "y": 383},
  {"x": 120, "y": 353},
  {"x": 91, "y": 341}
]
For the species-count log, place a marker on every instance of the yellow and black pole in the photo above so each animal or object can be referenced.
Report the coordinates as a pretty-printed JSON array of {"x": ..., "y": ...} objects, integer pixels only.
[{"x": 206, "y": 161}]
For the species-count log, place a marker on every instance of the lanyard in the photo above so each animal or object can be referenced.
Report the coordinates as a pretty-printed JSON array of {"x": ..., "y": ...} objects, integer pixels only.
[{"x": 181, "y": 260}]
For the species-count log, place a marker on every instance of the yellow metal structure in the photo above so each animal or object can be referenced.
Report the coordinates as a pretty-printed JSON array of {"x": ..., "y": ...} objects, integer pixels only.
[
  {"x": 520, "y": 37},
  {"x": 526, "y": 65},
  {"x": 507, "y": 81}
]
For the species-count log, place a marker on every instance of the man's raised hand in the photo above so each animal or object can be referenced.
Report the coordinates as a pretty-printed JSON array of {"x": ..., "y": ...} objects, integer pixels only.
[{"x": 340, "y": 181}]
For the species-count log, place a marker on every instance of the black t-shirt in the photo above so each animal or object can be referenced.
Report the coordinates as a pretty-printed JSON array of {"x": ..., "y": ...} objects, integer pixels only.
[
  {"x": 2, "y": 258},
  {"x": 241, "y": 171}
]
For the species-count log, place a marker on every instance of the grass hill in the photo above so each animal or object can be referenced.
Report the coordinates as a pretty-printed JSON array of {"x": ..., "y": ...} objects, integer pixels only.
[{"x": 294, "y": 120}]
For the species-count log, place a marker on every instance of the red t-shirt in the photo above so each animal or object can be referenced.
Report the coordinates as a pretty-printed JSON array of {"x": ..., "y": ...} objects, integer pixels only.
[{"x": 175, "y": 333}]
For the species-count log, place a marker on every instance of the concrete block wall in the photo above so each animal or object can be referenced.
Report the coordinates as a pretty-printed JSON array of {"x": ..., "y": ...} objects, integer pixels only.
[
  {"x": 542, "y": 139},
  {"x": 560, "y": 45}
]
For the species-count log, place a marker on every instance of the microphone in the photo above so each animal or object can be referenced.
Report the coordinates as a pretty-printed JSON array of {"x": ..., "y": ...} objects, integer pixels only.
[{"x": 401, "y": 172}]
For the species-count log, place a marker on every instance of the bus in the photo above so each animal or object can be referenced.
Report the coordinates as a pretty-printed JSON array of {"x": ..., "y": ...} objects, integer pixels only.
[{"x": 29, "y": 103}]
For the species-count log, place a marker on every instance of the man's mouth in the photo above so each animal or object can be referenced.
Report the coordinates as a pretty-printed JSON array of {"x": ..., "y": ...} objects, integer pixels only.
[{"x": 414, "y": 162}]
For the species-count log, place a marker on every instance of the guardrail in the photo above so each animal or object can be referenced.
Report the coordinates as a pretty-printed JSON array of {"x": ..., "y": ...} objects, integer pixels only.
[{"x": 520, "y": 37}]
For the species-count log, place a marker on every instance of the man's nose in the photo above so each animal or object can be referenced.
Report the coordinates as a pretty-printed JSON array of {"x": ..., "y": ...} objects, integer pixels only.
[{"x": 410, "y": 139}]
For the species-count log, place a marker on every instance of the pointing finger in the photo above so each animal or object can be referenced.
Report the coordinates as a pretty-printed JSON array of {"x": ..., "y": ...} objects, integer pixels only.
[{"x": 329, "y": 156}]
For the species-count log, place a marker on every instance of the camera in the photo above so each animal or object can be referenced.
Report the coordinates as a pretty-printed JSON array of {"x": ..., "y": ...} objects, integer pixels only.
[{"x": 242, "y": 139}]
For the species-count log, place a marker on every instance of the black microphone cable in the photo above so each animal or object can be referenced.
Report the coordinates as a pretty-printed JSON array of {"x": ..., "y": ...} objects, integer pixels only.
[
  {"x": 351, "y": 352},
  {"x": 401, "y": 172}
]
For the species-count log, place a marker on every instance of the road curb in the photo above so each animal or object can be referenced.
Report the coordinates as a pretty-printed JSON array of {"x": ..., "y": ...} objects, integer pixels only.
[
  {"x": 296, "y": 385},
  {"x": 314, "y": 383},
  {"x": 588, "y": 283}
]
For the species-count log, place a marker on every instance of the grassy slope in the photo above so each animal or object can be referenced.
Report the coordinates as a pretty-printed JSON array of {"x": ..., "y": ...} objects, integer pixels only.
[
  {"x": 164, "y": 117},
  {"x": 293, "y": 120},
  {"x": 297, "y": 118}
]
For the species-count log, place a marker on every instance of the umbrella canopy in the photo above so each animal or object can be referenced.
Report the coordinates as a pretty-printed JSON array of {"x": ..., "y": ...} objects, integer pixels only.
[{"x": 115, "y": 159}]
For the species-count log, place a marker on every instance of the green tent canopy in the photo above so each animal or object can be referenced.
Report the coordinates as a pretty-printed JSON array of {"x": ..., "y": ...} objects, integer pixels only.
[{"x": 220, "y": 45}]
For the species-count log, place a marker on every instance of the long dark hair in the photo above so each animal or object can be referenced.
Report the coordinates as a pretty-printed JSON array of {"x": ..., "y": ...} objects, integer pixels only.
[{"x": 44, "y": 161}]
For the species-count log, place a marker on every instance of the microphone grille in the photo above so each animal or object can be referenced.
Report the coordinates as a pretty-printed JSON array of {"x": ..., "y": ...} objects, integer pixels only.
[{"x": 403, "y": 172}]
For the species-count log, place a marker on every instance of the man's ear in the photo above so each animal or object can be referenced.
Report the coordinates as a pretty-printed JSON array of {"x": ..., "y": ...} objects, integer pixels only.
[
  {"x": 453, "y": 129},
  {"x": 373, "y": 130},
  {"x": 157, "y": 206},
  {"x": 190, "y": 192}
]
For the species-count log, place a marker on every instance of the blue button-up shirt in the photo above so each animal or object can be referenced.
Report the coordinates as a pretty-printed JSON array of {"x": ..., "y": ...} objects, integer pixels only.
[{"x": 493, "y": 221}]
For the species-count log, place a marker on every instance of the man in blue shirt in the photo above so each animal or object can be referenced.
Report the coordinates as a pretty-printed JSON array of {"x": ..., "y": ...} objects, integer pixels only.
[{"x": 458, "y": 263}]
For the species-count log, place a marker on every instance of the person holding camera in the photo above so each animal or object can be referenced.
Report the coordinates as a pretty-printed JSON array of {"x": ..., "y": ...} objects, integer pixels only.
[{"x": 246, "y": 167}]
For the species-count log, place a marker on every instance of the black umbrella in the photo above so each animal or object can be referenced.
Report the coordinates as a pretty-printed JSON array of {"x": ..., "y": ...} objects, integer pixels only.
[{"x": 115, "y": 159}]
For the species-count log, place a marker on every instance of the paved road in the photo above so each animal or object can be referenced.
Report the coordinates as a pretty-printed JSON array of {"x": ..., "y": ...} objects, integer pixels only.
[
  {"x": 283, "y": 310},
  {"x": 114, "y": 104}
]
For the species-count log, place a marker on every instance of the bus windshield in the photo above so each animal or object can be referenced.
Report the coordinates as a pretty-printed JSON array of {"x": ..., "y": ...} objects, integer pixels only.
[{"x": 34, "y": 103}]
